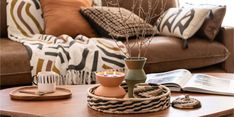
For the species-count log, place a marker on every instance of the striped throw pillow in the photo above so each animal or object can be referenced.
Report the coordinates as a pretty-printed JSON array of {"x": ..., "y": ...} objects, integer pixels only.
[{"x": 24, "y": 18}]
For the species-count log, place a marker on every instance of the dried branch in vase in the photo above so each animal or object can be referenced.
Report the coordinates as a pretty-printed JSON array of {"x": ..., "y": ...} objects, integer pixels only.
[{"x": 137, "y": 23}]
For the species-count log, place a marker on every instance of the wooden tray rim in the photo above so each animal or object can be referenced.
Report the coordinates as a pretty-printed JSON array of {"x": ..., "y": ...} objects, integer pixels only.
[{"x": 40, "y": 98}]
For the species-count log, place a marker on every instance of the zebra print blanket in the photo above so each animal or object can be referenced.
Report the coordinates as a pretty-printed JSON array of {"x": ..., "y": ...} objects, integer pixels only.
[{"x": 75, "y": 60}]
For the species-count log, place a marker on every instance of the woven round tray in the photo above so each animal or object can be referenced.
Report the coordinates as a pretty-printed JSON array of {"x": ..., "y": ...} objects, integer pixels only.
[{"x": 129, "y": 105}]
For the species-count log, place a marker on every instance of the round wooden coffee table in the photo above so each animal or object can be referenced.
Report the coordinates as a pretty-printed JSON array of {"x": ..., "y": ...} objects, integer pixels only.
[{"x": 212, "y": 105}]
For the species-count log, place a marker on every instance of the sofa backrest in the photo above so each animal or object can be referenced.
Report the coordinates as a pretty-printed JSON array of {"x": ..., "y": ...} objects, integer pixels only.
[
  {"x": 127, "y": 4},
  {"x": 3, "y": 24},
  {"x": 123, "y": 3}
]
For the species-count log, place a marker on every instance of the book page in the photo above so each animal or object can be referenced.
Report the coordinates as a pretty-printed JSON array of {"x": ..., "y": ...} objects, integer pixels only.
[
  {"x": 210, "y": 84},
  {"x": 174, "y": 78}
]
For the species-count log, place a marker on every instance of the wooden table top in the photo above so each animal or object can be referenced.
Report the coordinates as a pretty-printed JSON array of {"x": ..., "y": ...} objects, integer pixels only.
[{"x": 77, "y": 105}]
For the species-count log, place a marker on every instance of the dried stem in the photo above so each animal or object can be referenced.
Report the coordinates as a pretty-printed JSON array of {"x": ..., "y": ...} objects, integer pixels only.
[{"x": 143, "y": 40}]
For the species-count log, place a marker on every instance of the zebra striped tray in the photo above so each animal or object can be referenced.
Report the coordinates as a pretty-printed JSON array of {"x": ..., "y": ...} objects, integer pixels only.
[{"x": 129, "y": 105}]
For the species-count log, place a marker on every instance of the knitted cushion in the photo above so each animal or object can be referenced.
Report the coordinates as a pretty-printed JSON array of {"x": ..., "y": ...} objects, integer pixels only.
[{"x": 118, "y": 23}]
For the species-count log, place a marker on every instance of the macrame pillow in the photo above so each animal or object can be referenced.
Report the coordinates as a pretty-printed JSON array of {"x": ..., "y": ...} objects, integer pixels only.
[
  {"x": 118, "y": 23},
  {"x": 213, "y": 21},
  {"x": 24, "y": 18},
  {"x": 181, "y": 22}
]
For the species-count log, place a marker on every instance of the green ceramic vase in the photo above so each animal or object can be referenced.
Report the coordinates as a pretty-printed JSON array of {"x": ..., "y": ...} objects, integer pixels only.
[{"x": 135, "y": 72}]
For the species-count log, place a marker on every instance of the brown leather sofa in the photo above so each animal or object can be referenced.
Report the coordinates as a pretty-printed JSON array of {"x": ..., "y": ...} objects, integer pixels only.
[{"x": 165, "y": 53}]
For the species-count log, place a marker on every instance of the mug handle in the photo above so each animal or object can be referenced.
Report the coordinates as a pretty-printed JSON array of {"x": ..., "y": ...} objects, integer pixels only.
[{"x": 35, "y": 76}]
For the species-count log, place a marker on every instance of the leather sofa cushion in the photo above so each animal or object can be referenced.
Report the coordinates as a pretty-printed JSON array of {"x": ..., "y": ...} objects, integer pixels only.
[
  {"x": 167, "y": 53},
  {"x": 15, "y": 66}
]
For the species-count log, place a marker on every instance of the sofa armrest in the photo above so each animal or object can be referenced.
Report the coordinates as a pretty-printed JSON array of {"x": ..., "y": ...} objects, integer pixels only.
[{"x": 226, "y": 37}]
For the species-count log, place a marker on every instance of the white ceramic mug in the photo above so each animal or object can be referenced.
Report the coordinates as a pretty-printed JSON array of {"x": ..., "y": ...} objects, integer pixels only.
[{"x": 46, "y": 81}]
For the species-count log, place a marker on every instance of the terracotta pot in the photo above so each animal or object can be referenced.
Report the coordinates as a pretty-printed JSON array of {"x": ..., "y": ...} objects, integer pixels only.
[
  {"x": 135, "y": 72},
  {"x": 110, "y": 85}
]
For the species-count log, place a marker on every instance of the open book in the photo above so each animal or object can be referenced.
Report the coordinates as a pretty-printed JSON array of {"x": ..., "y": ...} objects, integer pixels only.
[{"x": 184, "y": 80}]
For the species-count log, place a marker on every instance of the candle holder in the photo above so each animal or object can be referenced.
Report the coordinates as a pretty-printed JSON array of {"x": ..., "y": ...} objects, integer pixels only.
[{"x": 110, "y": 84}]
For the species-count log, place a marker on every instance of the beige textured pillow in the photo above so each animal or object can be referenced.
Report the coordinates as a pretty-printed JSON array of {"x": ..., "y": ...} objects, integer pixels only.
[
  {"x": 63, "y": 17},
  {"x": 212, "y": 24},
  {"x": 181, "y": 22}
]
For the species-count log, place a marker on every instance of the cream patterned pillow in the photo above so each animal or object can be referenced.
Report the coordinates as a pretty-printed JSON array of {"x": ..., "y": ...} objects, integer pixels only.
[
  {"x": 24, "y": 18},
  {"x": 182, "y": 23}
]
